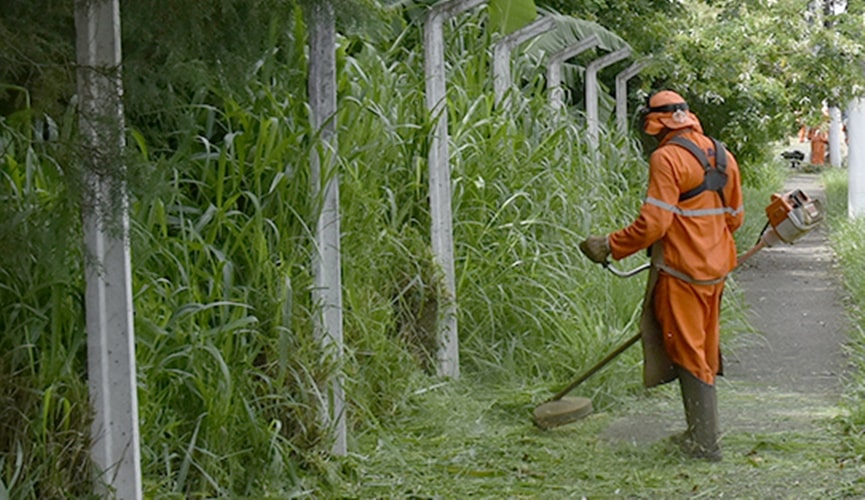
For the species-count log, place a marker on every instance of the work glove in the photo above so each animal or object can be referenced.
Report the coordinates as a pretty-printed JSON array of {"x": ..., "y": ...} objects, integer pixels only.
[{"x": 596, "y": 248}]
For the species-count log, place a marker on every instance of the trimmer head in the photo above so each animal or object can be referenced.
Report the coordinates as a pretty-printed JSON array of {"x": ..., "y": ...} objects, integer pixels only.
[{"x": 562, "y": 411}]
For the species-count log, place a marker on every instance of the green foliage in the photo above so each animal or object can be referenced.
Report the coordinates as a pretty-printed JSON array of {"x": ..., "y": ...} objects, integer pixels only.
[
  {"x": 848, "y": 240},
  {"x": 645, "y": 24},
  {"x": 737, "y": 94},
  {"x": 174, "y": 52},
  {"x": 753, "y": 71},
  {"x": 36, "y": 51},
  {"x": 507, "y": 16},
  {"x": 567, "y": 32},
  {"x": 44, "y": 411},
  {"x": 223, "y": 303}
]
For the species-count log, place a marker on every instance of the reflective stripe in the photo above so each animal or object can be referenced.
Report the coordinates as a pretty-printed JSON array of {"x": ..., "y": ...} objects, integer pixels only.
[
  {"x": 694, "y": 213},
  {"x": 738, "y": 211},
  {"x": 658, "y": 263},
  {"x": 687, "y": 279}
]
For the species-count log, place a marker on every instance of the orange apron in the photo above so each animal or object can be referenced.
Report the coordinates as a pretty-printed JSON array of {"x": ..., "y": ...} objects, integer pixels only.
[
  {"x": 689, "y": 317},
  {"x": 657, "y": 366}
]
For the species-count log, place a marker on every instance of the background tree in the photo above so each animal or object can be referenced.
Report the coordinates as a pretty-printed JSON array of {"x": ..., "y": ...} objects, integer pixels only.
[{"x": 752, "y": 70}]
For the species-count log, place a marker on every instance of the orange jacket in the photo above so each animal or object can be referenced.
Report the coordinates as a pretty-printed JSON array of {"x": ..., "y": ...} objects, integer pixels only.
[
  {"x": 819, "y": 139},
  {"x": 696, "y": 234}
]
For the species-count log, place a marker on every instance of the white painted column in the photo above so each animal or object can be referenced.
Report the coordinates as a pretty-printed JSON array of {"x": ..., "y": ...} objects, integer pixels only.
[
  {"x": 110, "y": 334},
  {"x": 592, "y": 89},
  {"x": 835, "y": 136},
  {"x": 441, "y": 211},
  {"x": 554, "y": 68},
  {"x": 327, "y": 265},
  {"x": 622, "y": 94},
  {"x": 502, "y": 54},
  {"x": 856, "y": 158}
]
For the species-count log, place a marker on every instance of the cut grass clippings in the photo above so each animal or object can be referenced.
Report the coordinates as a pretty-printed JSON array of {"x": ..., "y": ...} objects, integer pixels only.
[{"x": 463, "y": 441}]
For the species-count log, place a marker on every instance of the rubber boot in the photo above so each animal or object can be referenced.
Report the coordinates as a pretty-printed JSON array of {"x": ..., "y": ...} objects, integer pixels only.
[{"x": 701, "y": 440}]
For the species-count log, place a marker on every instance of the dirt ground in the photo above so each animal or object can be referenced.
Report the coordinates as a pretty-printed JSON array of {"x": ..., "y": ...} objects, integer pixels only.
[{"x": 786, "y": 378}]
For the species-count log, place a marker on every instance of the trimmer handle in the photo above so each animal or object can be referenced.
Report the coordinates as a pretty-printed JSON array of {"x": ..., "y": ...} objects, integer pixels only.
[
  {"x": 625, "y": 274},
  {"x": 637, "y": 270}
]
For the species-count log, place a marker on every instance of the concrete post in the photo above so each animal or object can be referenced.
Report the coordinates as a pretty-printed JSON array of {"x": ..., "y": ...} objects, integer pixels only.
[
  {"x": 502, "y": 54},
  {"x": 327, "y": 266},
  {"x": 835, "y": 136},
  {"x": 554, "y": 68},
  {"x": 856, "y": 158},
  {"x": 622, "y": 95},
  {"x": 440, "y": 181},
  {"x": 592, "y": 88},
  {"x": 108, "y": 297}
]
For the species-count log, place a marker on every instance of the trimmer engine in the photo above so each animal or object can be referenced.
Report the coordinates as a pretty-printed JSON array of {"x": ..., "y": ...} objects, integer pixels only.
[{"x": 791, "y": 216}]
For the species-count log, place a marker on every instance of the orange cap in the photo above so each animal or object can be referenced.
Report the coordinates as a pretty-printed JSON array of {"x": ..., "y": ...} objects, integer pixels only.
[{"x": 667, "y": 109}]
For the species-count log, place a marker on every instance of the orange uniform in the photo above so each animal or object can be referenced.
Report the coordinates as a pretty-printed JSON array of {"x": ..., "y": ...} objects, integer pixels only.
[
  {"x": 696, "y": 240},
  {"x": 819, "y": 140}
]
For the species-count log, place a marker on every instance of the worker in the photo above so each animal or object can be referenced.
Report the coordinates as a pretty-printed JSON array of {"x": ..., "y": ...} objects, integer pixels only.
[
  {"x": 687, "y": 223},
  {"x": 819, "y": 138}
]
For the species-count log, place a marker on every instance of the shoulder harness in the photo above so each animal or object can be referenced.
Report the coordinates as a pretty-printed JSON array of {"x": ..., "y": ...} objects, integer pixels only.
[{"x": 714, "y": 178}]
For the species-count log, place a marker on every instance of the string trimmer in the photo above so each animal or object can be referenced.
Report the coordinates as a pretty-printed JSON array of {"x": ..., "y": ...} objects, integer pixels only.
[{"x": 790, "y": 216}]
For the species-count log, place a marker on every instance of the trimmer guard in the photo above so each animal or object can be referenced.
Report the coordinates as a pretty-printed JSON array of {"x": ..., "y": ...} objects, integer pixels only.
[{"x": 562, "y": 411}]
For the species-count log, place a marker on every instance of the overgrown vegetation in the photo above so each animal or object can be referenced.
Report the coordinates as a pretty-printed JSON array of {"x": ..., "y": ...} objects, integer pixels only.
[
  {"x": 848, "y": 238},
  {"x": 228, "y": 369}
]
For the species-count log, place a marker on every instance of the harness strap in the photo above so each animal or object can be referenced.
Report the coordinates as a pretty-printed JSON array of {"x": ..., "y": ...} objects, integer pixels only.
[{"x": 700, "y": 155}]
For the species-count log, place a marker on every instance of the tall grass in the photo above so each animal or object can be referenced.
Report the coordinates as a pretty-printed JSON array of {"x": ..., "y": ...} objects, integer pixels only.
[
  {"x": 848, "y": 239},
  {"x": 44, "y": 414},
  {"x": 525, "y": 193},
  {"x": 228, "y": 367},
  {"x": 229, "y": 373}
]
